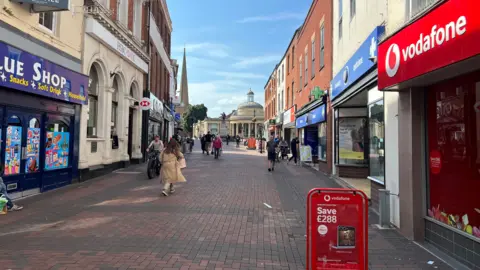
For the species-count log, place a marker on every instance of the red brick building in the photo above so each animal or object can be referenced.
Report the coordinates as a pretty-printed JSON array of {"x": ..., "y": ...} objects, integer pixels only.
[{"x": 270, "y": 102}]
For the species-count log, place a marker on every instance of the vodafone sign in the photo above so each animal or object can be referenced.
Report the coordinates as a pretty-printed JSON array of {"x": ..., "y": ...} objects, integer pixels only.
[{"x": 448, "y": 34}]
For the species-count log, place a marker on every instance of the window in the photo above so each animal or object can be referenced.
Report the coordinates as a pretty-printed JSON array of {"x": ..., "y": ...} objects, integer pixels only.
[
  {"x": 47, "y": 20},
  {"x": 322, "y": 141},
  {"x": 32, "y": 163},
  {"x": 288, "y": 64},
  {"x": 377, "y": 141},
  {"x": 322, "y": 46},
  {"x": 453, "y": 158},
  {"x": 340, "y": 26},
  {"x": 13, "y": 154},
  {"x": 353, "y": 7},
  {"x": 293, "y": 95},
  {"x": 93, "y": 86},
  {"x": 313, "y": 57},
  {"x": 57, "y": 146},
  {"x": 340, "y": 15},
  {"x": 306, "y": 67},
  {"x": 414, "y": 7},
  {"x": 283, "y": 72},
  {"x": 293, "y": 57},
  {"x": 350, "y": 140},
  {"x": 301, "y": 72},
  {"x": 288, "y": 96}
]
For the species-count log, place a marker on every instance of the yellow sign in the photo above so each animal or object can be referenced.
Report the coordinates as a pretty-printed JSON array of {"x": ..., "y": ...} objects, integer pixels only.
[{"x": 349, "y": 154}]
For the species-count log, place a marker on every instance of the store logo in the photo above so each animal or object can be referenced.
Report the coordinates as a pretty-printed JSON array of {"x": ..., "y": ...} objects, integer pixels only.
[
  {"x": 425, "y": 42},
  {"x": 396, "y": 51},
  {"x": 327, "y": 198},
  {"x": 345, "y": 75}
]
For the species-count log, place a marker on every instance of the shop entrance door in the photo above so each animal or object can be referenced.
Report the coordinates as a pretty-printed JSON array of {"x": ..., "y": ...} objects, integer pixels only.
[{"x": 21, "y": 158}]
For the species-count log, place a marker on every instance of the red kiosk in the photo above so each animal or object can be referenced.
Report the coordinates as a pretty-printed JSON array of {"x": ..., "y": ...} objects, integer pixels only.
[{"x": 337, "y": 229}]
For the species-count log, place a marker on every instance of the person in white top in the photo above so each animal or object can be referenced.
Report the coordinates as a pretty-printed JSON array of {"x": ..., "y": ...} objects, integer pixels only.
[{"x": 156, "y": 144}]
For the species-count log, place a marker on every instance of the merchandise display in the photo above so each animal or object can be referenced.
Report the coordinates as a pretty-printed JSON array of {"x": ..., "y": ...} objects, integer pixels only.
[{"x": 57, "y": 150}]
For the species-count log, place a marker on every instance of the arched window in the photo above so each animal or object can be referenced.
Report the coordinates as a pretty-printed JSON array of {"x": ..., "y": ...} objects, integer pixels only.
[
  {"x": 115, "y": 104},
  {"x": 93, "y": 86}
]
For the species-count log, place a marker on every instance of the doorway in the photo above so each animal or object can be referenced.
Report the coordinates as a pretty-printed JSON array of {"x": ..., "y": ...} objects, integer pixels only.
[{"x": 130, "y": 131}]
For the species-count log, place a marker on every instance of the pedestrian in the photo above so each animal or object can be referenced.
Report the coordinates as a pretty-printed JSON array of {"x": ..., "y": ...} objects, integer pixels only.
[
  {"x": 171, "y": 172},
  {"x": 3, "y": 192},
  {"x": 217, "y": 145},
  {"x": 202, "y": 142},
  {"x": 271, "y": 154},
  {"x": 228, "y": 138},
  {"x": 208, "y": 143},
  {"x": 294, "y": 150}
]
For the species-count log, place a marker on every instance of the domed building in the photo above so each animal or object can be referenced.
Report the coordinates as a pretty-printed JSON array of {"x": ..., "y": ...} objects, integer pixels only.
[{"x": 246, "y": 121}]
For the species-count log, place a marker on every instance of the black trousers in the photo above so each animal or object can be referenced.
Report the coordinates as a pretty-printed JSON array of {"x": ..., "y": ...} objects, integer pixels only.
[{"x": 294, "y": 156}]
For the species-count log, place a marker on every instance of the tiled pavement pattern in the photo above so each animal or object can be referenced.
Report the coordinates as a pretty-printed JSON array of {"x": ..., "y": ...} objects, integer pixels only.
[{"x": 218, "y": 220}]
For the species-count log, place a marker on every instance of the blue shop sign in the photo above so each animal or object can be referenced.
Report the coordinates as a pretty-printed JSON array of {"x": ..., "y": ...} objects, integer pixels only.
[
  {"x": 29, "y": 73},
  {"x": 358, "y": 64},
  {"x": 317, "y": 115},
  {"x": 177, "y": 117},
  {"x": 302, "y": 121}
]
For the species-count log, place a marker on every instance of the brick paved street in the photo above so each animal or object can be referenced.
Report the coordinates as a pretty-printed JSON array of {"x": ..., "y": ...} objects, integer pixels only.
[{"x": 218, "y": 220}]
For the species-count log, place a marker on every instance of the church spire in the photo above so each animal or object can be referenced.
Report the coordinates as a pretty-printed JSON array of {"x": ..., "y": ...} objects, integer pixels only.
[{"x": 184, "y": 84}]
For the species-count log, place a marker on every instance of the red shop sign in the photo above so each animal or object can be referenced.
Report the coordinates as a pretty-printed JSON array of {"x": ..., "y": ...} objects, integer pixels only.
[
  {"x": 450, "y": 33},
  {"x": 337, "y": 229}
]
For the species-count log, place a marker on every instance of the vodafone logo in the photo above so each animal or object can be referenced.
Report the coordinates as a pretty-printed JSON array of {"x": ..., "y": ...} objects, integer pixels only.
[
  {"x": 394, "y": 51},
  {"x": 327, "y": 198}
]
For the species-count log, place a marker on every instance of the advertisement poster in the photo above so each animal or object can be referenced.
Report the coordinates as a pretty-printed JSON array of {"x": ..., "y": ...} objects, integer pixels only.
[
  {"x": 13, "y": 150},
  {"x": 306, "y": 153},
  {"x": 56, "y": 150},
  {"x": 351, "y": 132},
  {"x": 33, "y": 150},
  {"x": 337, "y": 235}
]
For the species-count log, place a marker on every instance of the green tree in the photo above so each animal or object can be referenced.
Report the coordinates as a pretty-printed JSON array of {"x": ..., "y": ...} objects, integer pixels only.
[{"x": 192, "y": 115}]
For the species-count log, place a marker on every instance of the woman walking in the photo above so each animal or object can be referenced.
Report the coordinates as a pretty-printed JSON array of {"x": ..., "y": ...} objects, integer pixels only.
[{"x": 171, "y": 172}]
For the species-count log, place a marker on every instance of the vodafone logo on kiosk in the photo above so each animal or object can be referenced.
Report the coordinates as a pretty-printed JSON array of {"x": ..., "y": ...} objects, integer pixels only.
[{"x": 446, "y": 35}]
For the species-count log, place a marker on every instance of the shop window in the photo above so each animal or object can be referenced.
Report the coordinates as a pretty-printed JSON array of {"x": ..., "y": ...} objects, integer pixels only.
[
  {"x": 33, "y": 146},
  {"x": 322, "y": 141},
  {"x": 454, "y": 154},
  {"x": 93, "y": 86},
  {"x": 47, "y": 20},
  {"x": 57, "y": 145},
  {"x": 377, "y": 141},
  {"x": 13, "y": 146},
  {"x": 351, "y": 134}
]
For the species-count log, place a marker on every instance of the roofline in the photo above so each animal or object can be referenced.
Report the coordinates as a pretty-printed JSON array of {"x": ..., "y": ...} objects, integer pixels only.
[{"x": 271, "y": 74}]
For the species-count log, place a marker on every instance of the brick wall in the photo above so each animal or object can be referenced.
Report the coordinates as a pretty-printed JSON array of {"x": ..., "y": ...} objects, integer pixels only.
[
  {"x": 130, "y": 15},
  {"x": 113, "y": 8}
]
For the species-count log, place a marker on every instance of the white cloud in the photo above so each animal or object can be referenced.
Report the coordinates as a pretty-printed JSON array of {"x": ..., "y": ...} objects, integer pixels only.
[
  {"x": 257, "y": 60},
  {"x": 238, "y": 75},
  {"x": 273, "y": 17},
  {"x": 205, "y": 48}
]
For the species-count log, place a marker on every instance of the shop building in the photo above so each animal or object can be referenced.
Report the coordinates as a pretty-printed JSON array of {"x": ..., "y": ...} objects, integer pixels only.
[
  {"x": 117, "y": 65},
  {"x": 433, "y": 65},
  {"x": 42, "y": 90},
  {"x": 314, "y": 71},
  {"x": 271, "y": 105},
  {"x": 289, "y": 129},
  {"x": 291, "y": 76}
]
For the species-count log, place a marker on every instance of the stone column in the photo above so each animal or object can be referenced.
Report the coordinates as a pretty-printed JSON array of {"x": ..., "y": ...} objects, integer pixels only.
[{"x": 107, "y": 127}]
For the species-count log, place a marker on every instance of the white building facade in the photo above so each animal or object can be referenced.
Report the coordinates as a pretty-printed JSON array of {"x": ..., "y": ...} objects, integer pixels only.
[
  {"x": 358, "y": 27},
  {"x": 116, "y": 63}
]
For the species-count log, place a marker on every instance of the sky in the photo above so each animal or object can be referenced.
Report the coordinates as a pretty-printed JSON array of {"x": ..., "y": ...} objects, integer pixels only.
[{"x": 231, "y": 46}]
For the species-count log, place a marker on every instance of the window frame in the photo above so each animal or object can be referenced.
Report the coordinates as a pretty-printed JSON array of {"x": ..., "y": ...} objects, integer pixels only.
[
  {"x": 301, "y": 72},
  {"x": 306, "y": 67},
  {"x": 313, "y": 59},
  {"x": 353, "y": 9},
  {"x": 322, "y": 47},
  {"x": 54, "y": 21},
  {"x": 93, "y": 99}
]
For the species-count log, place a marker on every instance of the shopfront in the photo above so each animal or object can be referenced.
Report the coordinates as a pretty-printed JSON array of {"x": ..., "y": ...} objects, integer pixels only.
[
  {"x": 433, "y": 63},
  {"x": 39, "y": 124},
  {"x": 278, "y": 125},
  {"x": 155, "y": 120},
  {"x": 358, "y": 119},
  {"x": 312, "y": 130},
  {"x": 289, "y": 130}
]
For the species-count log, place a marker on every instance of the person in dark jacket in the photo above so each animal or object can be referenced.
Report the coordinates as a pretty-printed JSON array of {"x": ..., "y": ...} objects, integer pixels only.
[
  {"x": 294, "y": 150},
  {"x": 202, "y": 142},
  {"x": 208, "y": 142}
]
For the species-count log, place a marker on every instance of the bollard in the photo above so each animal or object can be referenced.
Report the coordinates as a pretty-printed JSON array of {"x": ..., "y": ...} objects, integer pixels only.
[{"x": 384, "y": 207}]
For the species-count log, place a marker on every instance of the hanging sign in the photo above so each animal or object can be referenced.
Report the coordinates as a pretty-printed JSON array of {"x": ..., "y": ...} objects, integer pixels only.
[
  {"x": 145, "y": 104},
  {"x": 337, "y": 229}
]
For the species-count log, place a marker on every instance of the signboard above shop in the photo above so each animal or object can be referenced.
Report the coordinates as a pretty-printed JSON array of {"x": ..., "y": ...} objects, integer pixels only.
[
  {"x": 45, "y": 5},
  {"x": 449, "y": 33},
  {"x": 29, "y": 73},
  {"x": 358, "y": 65}
]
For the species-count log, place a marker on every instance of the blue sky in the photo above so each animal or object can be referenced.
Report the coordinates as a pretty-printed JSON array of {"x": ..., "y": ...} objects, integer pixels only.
[{"x": 231, "y": 46}]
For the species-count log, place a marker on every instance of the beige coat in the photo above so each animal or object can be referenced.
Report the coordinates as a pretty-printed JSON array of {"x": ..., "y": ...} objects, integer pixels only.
[{"x": 171, "y": 172}]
